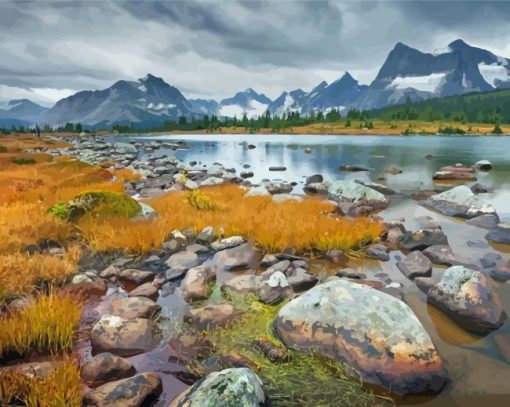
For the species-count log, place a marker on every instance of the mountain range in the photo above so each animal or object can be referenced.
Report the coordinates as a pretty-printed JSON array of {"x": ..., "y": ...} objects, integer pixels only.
[{"x": 407, "y": 74}]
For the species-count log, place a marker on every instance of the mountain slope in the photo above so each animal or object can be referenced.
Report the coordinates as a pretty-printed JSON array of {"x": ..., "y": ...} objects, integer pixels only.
[
  {"x": 146, "y": 102},
  {"x": 247, "y": 102},
  {"x": 22, "y": 111}
]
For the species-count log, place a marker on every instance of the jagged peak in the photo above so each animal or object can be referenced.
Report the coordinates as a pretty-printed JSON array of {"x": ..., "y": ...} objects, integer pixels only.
[{"x": 459, "y": 43}]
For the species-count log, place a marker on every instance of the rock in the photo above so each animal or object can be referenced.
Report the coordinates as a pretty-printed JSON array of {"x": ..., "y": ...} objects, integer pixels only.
[
  {"x": 278, "y": 168},
  {"x": 500, "y": 234},
  {"x": 275, "y": 353},
  {"x": 251, "y": 146},
  {"x": 484, "y": 221},
  {"x": 352, "y": 191},
  {"x": 352, "y": 168},
  {"x": 243, "y": 284},
  {"x": 426, "y": 222},
  {"x": 468, "y": 298},
  {"x": 319, "y": 188},
  {"x": 197, "y": 248},
  {"x": 236, "y": 387},
  {"x": 246, "y": 174},
  {"x": 314, "y": 179},
  {"x": 282, "y": 265},
  {"x": 196, "y": 284},
  {"x": 483, "y": 165},
  {"x": 375, "y": 333},
  {"x": 383, "y": 189},
  {"x": 393, "y": 170},
  {"x": 454, "y": 176},
  {"x": 124, "y": 337},
  {"x": 378, "y": 251},
  {"x": 503, "y": 343},
  {"x": 96, "y": 287},
  {"x": 279, "y": 188},
  {"x": 40, "y": 370},
  {"x": 274, "y": 287},
  {"x": 460, "y": 202},
  {"x": 423, "y": 238},
  {"x": 211, "y": 181},
  {"x": 207, "y": 235},
  {"x": 268, "y": 260},
  {"x": 105, "y": 367},
  {"x": 190, "y": 185},
  {"x": 211, "y": 316},
  {"x": 479, "y": 189},
  {"x": 124, "y": 148},
  {"x": 336, "y": 256},
  {"x": 490, "y": 260},
  {"x": 134, "y": 307},
  {"x": 350, "y": 273},
  {"x": 136, "y": 276},
  {"x": 425, "y": 283},
  {"x": 308, "y": 150},
  {"x": 110, "y": 271},
  {"x": 415, "y": 264},
  {"x": 227, "y": 243},
  {"x": 501, "y": 272},
  {"x": 240, "y": 257},
  {"x": 440, "y": 254},
  {"x": 300, "y": 279},
  {"x": 188, "y": 347},
  {"x": 258, "y": 191},
  {"x": 130, "y": 392},
  {"x": 148, "y": 290},
  {"x": 179, "y": 263}
]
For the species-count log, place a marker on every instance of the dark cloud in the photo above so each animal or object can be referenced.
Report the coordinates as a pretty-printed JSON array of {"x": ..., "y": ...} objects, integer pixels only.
[{"x": 215, "y": 47}]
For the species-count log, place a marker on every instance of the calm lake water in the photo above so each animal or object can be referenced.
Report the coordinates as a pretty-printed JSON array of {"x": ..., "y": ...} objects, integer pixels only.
[{"x": 477, "y": 369}]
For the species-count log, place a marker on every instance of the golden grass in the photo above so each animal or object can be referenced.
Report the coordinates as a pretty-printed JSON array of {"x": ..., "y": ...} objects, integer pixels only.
[
  {"x": 21, "y": 273},
  {"x": 48, "y": 324},
  {"x": 304, "y": 225},
  {"x": 60, "y": 388},
  {"x": 126, "y": 175}
]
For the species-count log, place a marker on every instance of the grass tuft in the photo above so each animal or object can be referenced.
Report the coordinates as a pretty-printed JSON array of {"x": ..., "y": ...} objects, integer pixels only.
[{"x": 46, "y": 325}]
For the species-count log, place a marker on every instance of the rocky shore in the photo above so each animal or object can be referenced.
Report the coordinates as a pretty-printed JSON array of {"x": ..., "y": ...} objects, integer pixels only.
[{"x": 354, "y": 312}]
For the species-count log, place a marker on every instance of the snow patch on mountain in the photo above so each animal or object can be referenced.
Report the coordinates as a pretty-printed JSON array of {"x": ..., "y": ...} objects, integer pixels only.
[
  {"x": 425, "y": 83},
  {"x": 494, "y": 73}
]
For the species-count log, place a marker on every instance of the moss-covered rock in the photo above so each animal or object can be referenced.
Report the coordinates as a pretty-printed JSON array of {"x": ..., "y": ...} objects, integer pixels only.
[{"x": 97, "y": 204}]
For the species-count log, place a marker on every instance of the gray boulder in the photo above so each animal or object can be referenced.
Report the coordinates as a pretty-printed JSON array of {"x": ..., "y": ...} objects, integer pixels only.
[
  {"x": 134, "y": 307},
  {"x": 375, "y": 333},
  {"x": 423, "y": 238},
  {"x": 484, "y": 221},
  {"x": 500, "y": 234},
  {"x": 240, "y": 257},
  {"x": 352, "y": 191},
  {"x": 460, "y": 202},
  {"x": 196, "y": 285},
  {"x": 179, "y": 263},
  {"x": 235, "y": 387},
  {"x": 469, "y": 299}
]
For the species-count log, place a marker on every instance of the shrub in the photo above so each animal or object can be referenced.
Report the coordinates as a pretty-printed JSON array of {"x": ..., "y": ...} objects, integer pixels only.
[
  {"x": 3, "y": 149},
  {"x": 200, "y": 200},
  {"x": 497, "y": 129},
  {"x": 23, "y": 161},
  {"x": 450, "y": 130}
]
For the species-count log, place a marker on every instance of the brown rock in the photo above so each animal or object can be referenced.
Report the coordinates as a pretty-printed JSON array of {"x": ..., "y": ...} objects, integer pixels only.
[{"x": 212, "y": 316}]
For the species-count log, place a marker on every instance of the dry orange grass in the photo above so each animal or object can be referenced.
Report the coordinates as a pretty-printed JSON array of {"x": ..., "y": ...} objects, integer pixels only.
[
  {"x": 126, "y": 174},
  {"x": 47, "y": 325},
  {"x": 303, "y": 225},
  {"x": 60, "y": 388},
  {"x": 21, "y": 273}
]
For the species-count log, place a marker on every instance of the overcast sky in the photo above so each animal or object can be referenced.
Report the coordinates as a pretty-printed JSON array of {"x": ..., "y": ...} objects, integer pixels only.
[{"x": 212, "y": 49}]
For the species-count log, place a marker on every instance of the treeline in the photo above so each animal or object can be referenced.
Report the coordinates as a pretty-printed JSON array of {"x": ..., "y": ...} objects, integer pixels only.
[
  {"x": 489, "y": 107},
  {"x": 267, "y": 121},
  {"x": 68, "y": 128}
]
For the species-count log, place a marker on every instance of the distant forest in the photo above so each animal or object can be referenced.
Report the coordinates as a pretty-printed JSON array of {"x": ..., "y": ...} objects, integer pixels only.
[{"x": 489, "y": 107}]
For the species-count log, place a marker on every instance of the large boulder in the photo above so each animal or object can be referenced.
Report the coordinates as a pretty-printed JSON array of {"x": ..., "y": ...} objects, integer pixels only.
[
  {"x": 469, "y": 299},
  {"x": 423, "y": 238},
  {"x": 236, "y": 387},
  {"x": 352, "y": 191},
  {"x": 375, "y": 333},
  {"x": 122, "y": 336},
  {"x": 179, "y": 263},
  {"x": 130, "y": 392},
  {"x": 239, "y": 257},
  {"x": 134, "y": 307},
  {"x": 212, "y": 316},
  {"x": 460, "y": 202}
]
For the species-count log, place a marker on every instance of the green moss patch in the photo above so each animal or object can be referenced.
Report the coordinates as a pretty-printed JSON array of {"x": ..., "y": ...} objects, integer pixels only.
[
  {"x": 97, "y": 204},
  {"x": 303, "y": 380}
]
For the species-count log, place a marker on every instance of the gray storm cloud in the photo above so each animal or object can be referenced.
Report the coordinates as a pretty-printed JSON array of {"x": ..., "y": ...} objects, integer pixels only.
[{"x": 215, "y": 48}]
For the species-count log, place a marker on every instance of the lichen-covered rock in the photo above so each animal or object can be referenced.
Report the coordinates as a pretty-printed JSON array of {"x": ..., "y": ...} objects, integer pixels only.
[
  {"x": 134, "y": 307},
  {"x": 274, "y": 287},
  {"x": 469, "y": 299},
  {"x": 371, "y": 331},
  {"x": 415, "y": 264},
  {"x": 352, "y": 191},
  {"x": 237, "y": 387},
  {"x": 212, "y": 316},
  {"x": 423, "y": 238},
  {"x": 124, "y": 337},
  {"x": 460, "y": 202},
  {"x": 239, "y": 257},
  {"x": 130, "y": 392}
]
